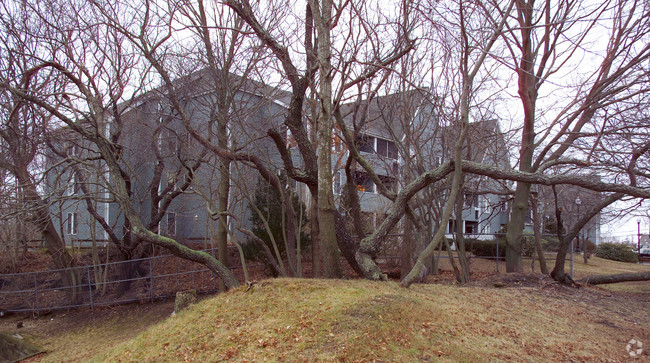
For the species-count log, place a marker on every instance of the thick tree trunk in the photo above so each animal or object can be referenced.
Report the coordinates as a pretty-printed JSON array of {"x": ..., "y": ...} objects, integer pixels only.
[
  {"x": 131, "y": 265},
  {"x": 407, "y": 249},
  {"x": 315, "y": 241},
  {"x": 346, "y": 244},
  {"x": 613, "y": 279},
  {"x": 331, "y": 267},
  {"x": 527, "y": 90}
]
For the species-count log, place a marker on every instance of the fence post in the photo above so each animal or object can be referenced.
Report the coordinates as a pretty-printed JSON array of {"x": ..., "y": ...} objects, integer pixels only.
[
  {"x": 90, "y": 289},
  {"x": 151, "y": 278},
  {"x": 36, "y": 294},
  {"x": 497, "y": 259},
  {"x": 571, "y": 259}
]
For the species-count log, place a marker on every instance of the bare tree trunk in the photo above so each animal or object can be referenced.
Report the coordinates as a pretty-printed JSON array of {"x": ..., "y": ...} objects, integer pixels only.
[
  {"x": 528, "y": 94},
  {"x": 407, "y": 249},
  {"x": 463, "y": 276},
  {"x": 558, "y": 273},
  {"x": 315, "y": 241},
  {"x": 538, "y": 238},
  {"x": 331, "y": 267},
  {"x": 223, "y": 201}
]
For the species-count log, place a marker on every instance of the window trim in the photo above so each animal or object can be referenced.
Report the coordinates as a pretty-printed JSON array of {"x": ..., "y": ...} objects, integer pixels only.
[{"x": 72, "y": 225}]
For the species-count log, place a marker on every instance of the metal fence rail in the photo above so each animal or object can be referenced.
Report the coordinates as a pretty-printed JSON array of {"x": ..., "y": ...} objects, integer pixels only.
[{"x": 155, "y": 278}]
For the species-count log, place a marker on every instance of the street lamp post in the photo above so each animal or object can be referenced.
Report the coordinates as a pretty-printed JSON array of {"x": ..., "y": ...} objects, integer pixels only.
[
  {"x": 638, "y": 234},
  {"x": 578, "y": 203}
]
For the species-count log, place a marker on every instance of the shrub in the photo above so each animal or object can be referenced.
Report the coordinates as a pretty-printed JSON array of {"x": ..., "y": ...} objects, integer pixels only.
[
  {"x": 616, "y": 252},
  {"x": 550, "y": 244},
  {"x": 527, "y": 247},
  {"x": 588, "y": 247},
  {"x": 489, "y": 248}
]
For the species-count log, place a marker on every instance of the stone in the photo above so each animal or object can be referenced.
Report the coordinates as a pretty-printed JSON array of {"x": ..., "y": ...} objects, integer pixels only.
[
  {"x": 184, "y": 299},
  {"x": 14, "y": 349}
]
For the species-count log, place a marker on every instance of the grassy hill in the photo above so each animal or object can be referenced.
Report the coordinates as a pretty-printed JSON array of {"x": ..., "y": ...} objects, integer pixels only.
[{"x": 356, "y": 320}]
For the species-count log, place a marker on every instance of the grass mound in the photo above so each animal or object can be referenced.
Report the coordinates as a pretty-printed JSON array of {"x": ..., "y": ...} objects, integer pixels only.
[{"x": 327, "y": 320}]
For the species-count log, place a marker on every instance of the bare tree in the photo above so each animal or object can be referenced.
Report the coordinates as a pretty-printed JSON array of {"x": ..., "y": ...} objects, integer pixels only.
[
  {"x": 22, "y": 127},
  {"x": 97, "y": 114},
  {"x": 541, "y": 51}
]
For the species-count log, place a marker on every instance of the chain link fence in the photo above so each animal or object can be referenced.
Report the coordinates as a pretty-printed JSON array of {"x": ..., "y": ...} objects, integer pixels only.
[
  {"x": 151, "y": 278},
  {"x": 160, "y": 277}
]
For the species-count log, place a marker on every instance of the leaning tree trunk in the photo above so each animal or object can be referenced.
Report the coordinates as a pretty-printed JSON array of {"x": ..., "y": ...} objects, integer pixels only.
[{"x": 613, "y": 279}]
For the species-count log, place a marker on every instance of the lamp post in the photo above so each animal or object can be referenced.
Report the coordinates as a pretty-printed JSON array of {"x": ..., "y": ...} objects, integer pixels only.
[
  {"x": 578, "y": 203},
  {"x": 638, "y": 234}
]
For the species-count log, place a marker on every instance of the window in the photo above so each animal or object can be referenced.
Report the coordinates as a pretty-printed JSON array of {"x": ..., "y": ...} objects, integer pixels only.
[
  {"x": 171, "y": 223},
  {"x": 73, "y": 150},
  {"x": 471, "y": 200},
  {"x": 471, "y": 227},
  {"x": 74, "y": 185},
  {"x": 172, "y": 177},
  {"x": 73, "y": 224},
  {"x": 364, "y": 183},
  {"x": 386, "y": 149},
  {"x": 366, "y": 143}
]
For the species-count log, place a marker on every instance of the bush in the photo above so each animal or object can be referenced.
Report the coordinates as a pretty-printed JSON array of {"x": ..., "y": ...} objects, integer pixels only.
[
  {"x": 551, "y": 244},
  {"x": 588, "y": 247},
  {"x": 527, "y": 247},
  {"x": 489, "y": 248},
  {"x": 617, "y": 252}
]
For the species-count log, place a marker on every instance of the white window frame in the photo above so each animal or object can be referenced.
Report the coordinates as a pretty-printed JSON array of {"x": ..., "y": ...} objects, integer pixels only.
[
  {"x": 73, "y": 187},
  {"x": 72, "y": 225}
]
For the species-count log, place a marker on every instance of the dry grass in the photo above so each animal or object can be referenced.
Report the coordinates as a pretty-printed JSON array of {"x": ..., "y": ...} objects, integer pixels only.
[
  {"x": 81, "y": 334},
  {"x": 317, "y": 320}
]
